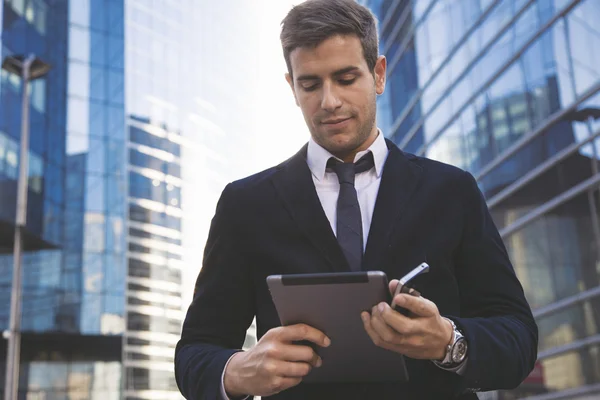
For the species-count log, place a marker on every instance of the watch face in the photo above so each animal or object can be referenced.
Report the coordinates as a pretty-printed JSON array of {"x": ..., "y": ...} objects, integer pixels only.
[{"x": 459, "y": 351}]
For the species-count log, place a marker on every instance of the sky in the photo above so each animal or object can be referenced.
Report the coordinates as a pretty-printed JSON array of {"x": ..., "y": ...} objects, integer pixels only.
[
  {"x": 282, "y": 128},
  {"x": 278, "y": 130}
]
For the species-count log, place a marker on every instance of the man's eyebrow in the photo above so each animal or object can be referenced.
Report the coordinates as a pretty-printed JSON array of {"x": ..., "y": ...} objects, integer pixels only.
[
  {"x": 336, "y": 73},
  {"x": 307, "y": 78},
  {"x": 345, "y": 71}
]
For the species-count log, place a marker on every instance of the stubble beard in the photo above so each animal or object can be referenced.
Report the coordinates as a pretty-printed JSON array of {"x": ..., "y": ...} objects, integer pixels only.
[{"x": 362, "y": 134}]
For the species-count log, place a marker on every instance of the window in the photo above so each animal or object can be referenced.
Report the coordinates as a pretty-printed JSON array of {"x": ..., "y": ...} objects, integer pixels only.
[
  {"x": 36, "y": 173},
  {"x": 11, "y": 168},
  {"x": 3, "y": 145},
  {"x": 79, "y": 44},
  {"x": 140, "y": 214},
  {"x": 556, "y": 255}
]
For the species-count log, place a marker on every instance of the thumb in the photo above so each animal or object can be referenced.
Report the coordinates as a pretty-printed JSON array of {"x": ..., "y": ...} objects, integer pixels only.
[{"x": 392, "y": 285}]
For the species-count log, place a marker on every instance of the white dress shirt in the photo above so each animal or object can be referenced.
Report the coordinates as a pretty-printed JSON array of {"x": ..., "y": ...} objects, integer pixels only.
[
  {"x": 328, "y": 188},
  {"x": 366, "y": 183}
]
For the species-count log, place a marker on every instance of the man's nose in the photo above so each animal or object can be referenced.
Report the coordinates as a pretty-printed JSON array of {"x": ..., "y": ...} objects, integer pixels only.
[{"x": 330, "y": 101}]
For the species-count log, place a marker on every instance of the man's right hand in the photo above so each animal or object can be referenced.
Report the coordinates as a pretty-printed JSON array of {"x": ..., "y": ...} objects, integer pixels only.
[{"x": 274, "y": 364}]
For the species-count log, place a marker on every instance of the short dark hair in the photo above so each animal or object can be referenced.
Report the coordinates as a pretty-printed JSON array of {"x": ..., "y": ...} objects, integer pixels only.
[{"x": 312, "y": 22}]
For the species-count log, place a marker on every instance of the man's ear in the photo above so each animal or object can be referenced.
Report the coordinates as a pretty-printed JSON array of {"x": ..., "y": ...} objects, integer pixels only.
[
  {"x": 380, "y": 74},
  {"x": 290, "y": 82}
]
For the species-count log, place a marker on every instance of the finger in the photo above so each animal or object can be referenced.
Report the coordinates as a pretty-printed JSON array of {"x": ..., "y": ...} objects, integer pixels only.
[
  {"x": 303, "y": 332},
  {"x": 296, "y": 352},
  {"x": 291, "y": 369},
  {"x": 383, "y": 329},
  {"x": 419, "y": 306},
  {"x": 397, "y": 322},
  {"x": 375, "y": 338}
]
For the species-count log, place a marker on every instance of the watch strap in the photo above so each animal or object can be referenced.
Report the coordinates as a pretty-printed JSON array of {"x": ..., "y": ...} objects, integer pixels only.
[{"x": 447, "y": 362}]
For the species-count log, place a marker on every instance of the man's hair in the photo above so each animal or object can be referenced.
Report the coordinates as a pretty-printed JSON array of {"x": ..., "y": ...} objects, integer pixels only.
[{"x": 312, "y": 22}]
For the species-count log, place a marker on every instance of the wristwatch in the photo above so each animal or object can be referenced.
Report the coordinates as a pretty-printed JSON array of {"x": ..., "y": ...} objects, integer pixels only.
[{"x": 456, "y": 350}]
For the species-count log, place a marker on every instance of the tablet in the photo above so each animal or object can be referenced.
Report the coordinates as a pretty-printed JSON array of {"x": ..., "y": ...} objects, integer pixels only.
[{"x": 332, "y": 303}]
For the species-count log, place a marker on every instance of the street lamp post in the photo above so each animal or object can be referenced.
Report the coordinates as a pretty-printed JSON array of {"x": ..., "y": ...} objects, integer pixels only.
[{"x": 28, "y": 69}]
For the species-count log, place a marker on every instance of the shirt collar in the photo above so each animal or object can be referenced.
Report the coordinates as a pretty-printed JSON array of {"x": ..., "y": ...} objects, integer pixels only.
[{"x": 317, "y": 156}]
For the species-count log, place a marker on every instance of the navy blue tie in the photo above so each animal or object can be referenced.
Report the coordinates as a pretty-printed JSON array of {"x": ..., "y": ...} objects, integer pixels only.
[{"x": 349, "y": 221}]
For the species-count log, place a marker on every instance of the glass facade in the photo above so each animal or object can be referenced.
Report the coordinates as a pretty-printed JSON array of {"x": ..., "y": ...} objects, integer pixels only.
[
  {"x": 37, "y": 28},
  {"x": 74, "y": 290},
  {"x": 510, "y": 91},
  {"x": 155, "y": 110},
  {"x": 95, "y": 211},
  {"x": 154, "y": 258}
]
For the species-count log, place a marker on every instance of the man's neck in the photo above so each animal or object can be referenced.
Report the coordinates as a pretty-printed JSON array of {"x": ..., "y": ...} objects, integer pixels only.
[{"x": 349, "y": 157}]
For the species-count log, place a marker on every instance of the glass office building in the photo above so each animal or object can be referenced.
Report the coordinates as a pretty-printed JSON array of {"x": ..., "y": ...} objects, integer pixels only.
[
  {"x": 132, "y": 141},
  {"x": 74, "y": 269},
  {"x": 153, "y": 60},
  {"x": 183, "y": 145},
  {"x": 154, "y": 259},
  {"x": 23, "y": 29},
  {"x": 509, "y": 90}
]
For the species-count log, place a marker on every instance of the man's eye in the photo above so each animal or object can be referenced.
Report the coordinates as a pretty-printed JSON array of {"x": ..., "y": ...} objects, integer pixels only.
[
  {"x": 347, "y": 81},
  {"x": 310, "y": 88}
]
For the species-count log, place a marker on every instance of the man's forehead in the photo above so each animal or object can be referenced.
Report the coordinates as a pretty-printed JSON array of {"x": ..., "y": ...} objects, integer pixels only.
[{"x": 331, "y": 55}]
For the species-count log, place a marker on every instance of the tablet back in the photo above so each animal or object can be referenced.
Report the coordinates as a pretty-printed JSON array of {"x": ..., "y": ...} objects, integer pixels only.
[{"x": 332, "y": 303}]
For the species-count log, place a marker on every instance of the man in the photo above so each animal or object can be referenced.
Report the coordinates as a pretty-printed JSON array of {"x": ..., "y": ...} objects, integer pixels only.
[{"x": 288, "y": 219}]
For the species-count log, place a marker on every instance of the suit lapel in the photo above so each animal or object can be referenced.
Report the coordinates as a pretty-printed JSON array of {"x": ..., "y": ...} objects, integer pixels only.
[
  {"x": 294, "y": 184},
  {"x": 399, "y": 180}
]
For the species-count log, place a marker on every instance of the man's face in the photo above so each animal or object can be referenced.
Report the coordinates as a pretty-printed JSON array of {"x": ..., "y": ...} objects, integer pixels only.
[{"x": 337, "y": 93}]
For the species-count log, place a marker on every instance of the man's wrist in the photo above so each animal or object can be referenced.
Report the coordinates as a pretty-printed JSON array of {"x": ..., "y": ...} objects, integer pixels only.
[
  {"x": 448, "y": 333},
  {"x": 456, "y": 351},
  {"x": 230, "y": 381}
]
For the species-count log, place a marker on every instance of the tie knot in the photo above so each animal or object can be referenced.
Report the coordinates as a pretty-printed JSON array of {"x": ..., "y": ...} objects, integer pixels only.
[{"x": 346, "y": 171}]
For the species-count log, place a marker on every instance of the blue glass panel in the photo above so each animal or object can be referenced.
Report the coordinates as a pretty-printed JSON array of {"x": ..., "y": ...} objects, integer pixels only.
[
  {"x": 97, "y": 155},
  {"x": 79, "y": 44},
  {"x": 583, "y": 33},
  {"x": 95, "y": 193},
  {"x": 79, "y": 12},
  {"x": 116, "y": 18},
  {"x": 98, "y": 17}
]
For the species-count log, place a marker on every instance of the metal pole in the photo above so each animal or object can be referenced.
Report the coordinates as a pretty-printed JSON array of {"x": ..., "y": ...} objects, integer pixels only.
[{"x": 14, "y": 339}]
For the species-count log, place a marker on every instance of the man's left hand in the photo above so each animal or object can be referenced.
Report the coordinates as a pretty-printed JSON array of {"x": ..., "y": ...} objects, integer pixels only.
[{"x": 424, "y": 334}]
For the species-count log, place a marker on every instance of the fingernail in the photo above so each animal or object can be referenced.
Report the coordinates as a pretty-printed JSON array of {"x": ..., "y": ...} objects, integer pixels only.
[
  {"x": 364, "y": 317},
  {"x": 381, "y": 307},
  {"x": 327, "y": 342},
  {"x": 319, "y": 362}
]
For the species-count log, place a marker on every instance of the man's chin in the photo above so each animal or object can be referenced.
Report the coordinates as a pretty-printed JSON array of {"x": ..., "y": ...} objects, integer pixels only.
[{"x": 340, "y": 148}]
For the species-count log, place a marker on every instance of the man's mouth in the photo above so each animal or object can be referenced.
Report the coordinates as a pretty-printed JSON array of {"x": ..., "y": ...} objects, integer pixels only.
[{"x": 337, "y": 121}]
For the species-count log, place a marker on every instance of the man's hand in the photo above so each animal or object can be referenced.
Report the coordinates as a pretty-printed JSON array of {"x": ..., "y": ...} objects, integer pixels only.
[
  {"x": 424, "y": 334},
  {"x": 274, "y": 364}
]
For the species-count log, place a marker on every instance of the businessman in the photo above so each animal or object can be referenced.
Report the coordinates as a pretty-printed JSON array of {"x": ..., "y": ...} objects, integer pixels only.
[{"x": 350, "y": 200}]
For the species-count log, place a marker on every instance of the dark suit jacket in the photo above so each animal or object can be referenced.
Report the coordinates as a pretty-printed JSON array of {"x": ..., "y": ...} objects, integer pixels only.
[{"x": 273, "y": 223}]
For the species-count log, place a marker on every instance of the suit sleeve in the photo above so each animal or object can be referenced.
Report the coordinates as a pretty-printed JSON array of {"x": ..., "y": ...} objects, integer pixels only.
[
  {"x": 222, "y": 308},
  {"x": 495, "y": 316}
]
